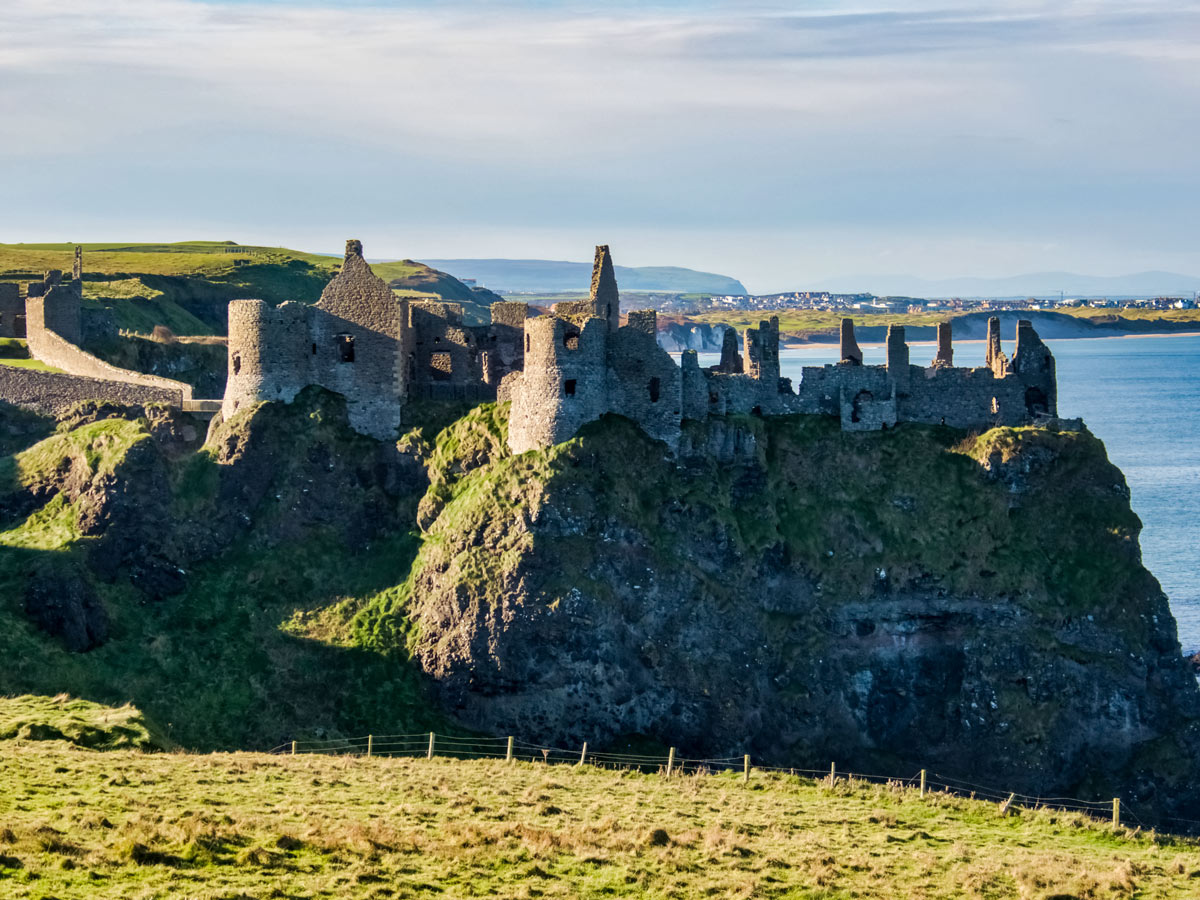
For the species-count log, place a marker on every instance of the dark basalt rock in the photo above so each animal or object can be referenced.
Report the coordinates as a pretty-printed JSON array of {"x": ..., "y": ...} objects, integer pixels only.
[{"x": 63, "y": 604}]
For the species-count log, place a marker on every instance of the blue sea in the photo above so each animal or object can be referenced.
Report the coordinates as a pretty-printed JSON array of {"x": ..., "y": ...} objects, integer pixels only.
[{"x": 1138, "y": 395}]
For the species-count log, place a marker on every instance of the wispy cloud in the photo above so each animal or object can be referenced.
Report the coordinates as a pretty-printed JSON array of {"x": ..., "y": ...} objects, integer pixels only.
[{"x": 1030, "y": 122}]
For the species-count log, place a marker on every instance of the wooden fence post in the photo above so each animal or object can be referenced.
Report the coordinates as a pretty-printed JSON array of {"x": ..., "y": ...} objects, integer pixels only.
[
  {"x": 293, "y": 748},
  {"x": 429, "y": 755},
  {"x": 583, "y": 754},
  {"x": 508, "y": 754},
  {"x": 746, "y": 769},
  {"x": 370, "y": 745},
  {"x": 1116, "y": 811},
  {"x": 670, "y": 761},
  {"x": 832, "y": 773},
  {"x": 922, "y": 782}
]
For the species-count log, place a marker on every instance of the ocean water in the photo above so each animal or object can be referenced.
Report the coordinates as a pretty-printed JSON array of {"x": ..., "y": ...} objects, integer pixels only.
[{"x": 1138, "y": 395}]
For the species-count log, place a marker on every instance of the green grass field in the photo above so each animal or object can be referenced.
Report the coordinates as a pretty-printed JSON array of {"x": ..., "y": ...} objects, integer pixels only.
[
  {"x": 186, "y": 286},
  {"x": 81, "y": 824},
  {"x": 38, "y": 365}
]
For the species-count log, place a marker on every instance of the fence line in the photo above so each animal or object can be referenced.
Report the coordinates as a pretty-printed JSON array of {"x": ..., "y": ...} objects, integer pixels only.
[{"x": 429, "y": 745}]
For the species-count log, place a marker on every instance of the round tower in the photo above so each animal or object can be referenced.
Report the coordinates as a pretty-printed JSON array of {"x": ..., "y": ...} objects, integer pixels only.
[{"x": 563, "y": 383}]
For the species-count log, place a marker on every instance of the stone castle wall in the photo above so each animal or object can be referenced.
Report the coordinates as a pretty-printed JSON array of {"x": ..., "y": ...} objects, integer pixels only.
[
  {"x": 53, "y": 350},
  {"x": 54, "y": 393},
  {"x": 12, "y": 310},
  {"x": 644, "y": 383},
  {"x": 449, "y": 360},
  {"x": 53, "y": 330}
]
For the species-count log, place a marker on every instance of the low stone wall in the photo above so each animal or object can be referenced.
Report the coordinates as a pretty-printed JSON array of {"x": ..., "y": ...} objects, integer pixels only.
[
  {"x": 51, "y": 393},
  {"x": 53, "y": 350}
]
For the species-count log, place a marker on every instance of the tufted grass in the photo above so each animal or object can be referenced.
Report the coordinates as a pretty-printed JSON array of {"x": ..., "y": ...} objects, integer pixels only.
[
  {"x": 78, "y": 722},
  {"x": 76, "y": 824}
]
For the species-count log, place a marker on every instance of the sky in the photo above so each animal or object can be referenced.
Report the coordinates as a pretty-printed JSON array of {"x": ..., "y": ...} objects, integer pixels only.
[{"x": 784, "y": 145}]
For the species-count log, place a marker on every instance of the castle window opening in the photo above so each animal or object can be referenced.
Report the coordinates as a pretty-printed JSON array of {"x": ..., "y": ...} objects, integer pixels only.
[
  {"x": 571, "y": 340},
  {"x": 526, "y": 343},
  {"x": 314, "y": 350},
  {"x": 995, "y": 406},
  {"x": 437, "y": 340},
  {"x": 236, "y": 361},
  {"x": 440, "y": 366},
  {"x": 757, "y": 411},
  {"x": 569, "y": 387},
  {"x": 1036, "y": 402},
  {"x": 653, "y": 387},
  {"x": 856, "y": 408},
  {"x": 712, "y": 397},
  {"x": 345, "y": 346}
]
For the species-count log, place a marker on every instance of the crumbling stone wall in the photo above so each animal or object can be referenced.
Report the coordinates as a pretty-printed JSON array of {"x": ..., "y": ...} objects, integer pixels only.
[
  {"x": 53, "y": 330},
  {"x": 48, "y": 347},
  {"x": 53, "y": 393},
  {"x": 12, "y": 310},
  {"x": 644, "y": 384},
  {"x": 448, "y": 360},
  {"x": 506, "y": 340},
  {"x": 353, "y": 341}
]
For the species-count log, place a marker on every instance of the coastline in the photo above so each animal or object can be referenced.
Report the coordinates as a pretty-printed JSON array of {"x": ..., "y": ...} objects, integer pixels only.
[{"x": 801, "y": 345}]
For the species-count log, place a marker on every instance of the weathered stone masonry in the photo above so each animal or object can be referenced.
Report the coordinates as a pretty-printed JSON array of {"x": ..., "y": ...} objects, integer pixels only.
[
  {"x": 563, "y": 370},
  {"x": 365, "y": 343},
  {"x": 51, "y": 322}
]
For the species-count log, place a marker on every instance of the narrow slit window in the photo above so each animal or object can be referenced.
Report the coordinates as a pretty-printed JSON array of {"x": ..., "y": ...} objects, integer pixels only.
[{"x": 654, "y": 387}]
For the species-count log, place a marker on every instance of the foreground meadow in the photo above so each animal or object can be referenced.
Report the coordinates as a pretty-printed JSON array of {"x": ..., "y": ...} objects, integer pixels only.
[{"x": 77, "y": 823}]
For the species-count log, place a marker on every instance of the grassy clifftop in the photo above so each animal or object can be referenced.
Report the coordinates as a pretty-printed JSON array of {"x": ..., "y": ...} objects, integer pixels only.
[
  {"x": 243, "y": 825},
  {"x": 186, "y": 286}
]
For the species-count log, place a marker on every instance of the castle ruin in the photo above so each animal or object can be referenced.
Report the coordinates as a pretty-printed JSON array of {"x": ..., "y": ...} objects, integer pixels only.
[
  {"x": 563, "y": 370},
  {"x": 377, "y": 350}
]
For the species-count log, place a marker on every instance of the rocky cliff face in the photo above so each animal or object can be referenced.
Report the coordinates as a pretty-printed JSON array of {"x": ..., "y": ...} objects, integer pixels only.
[
  {"x": 892, "y": 601},
  {"x": 914, "y": 598}
]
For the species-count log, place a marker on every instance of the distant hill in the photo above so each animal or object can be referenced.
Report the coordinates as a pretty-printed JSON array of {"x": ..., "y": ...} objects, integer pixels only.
[
  {"x": 419, "y": 281},
  {"x": 1035, "y": 284},
  {"x": 187, "y": 286},
  {"x": 545, "y": 276}
]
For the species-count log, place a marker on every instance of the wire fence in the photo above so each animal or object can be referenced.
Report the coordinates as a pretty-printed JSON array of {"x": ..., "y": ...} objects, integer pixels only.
[{"x": 430, "y": 745}]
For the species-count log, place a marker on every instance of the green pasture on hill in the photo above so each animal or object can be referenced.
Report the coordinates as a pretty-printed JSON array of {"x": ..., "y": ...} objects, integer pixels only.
[
  {"x": 186, "y": 286},
  {"x": 802, "y": 323},
  {"x": 79, "y": 824}
]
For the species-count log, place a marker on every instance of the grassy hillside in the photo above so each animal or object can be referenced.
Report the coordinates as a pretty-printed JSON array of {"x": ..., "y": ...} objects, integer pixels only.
[
  {"x": 186, "y": 286},
  {"x": 116, "y": 825},
  {"x": 78, "y": 722},
  {"x": 806, "y": 324},
  {"x": 418, "y": 281}
]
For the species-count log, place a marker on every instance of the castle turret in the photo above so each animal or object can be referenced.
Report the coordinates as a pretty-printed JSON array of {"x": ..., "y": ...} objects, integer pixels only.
[
  {"x": 269, "y": 355},
  {"x": 564, "y": 383}
]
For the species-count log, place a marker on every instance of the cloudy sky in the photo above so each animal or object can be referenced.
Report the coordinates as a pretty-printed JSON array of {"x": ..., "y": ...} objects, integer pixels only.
[{"x": 783, "y": 145}]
